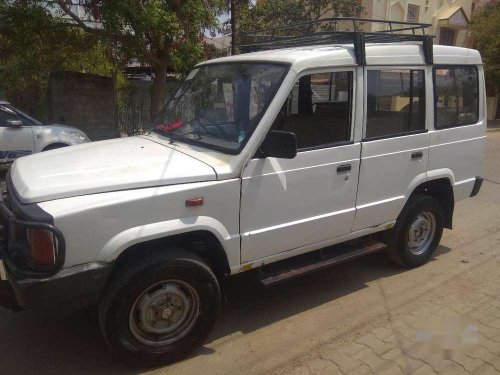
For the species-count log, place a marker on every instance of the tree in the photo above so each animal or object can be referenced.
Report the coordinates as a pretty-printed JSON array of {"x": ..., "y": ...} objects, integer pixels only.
[
  {"x": 317, "y": 9},
  {"x": 236, "y": 8},
  {"x": 166, "y": 34},
  {"x": 34, "y": 43},
  {"x": 486, "y": 38},
  {"x": 275, "y": 13}
]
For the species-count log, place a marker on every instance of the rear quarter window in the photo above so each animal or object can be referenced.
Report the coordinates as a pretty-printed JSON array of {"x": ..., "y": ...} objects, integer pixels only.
[{"x": 456, "y": 96}]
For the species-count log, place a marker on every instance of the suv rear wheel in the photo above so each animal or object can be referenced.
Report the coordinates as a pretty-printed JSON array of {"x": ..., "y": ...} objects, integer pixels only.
[
  {"x": 159, "y": 308},
  {"x": 417, "y": 232}
]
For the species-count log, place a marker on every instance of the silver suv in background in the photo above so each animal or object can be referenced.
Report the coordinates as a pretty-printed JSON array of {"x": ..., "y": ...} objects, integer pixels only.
[{"x": 21, "y": 134}]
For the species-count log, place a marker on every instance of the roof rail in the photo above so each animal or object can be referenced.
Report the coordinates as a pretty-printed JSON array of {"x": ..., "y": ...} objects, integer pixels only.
[{"x": 326, "y": 31}]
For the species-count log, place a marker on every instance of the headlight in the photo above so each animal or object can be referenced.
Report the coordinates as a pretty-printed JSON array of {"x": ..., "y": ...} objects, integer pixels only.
[{"x": 81, "y": 136}]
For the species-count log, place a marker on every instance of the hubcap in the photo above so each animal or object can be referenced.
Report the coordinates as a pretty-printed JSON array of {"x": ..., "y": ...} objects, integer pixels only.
[
  {"x": 164, "y": 313},
  {"x": 421, "y": 233}
]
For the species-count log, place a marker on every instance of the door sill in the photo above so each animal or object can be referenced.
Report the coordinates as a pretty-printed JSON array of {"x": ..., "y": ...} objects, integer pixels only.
[{"x": 303, "y": 264}]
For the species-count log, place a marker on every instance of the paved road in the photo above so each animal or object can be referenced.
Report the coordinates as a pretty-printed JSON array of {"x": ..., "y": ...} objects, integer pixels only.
[{"x": 367, "y": 316}]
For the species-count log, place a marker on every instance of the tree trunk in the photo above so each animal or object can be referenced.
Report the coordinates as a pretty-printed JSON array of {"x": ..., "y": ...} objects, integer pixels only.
[
  {"x": 159, "y": 89},
  {"x": 234, "y": 27}
]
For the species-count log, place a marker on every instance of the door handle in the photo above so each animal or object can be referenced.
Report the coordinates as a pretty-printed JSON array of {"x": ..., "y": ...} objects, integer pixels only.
[
  {"x": 417, "y": 155},
  {"x": 343, "y": 168}
]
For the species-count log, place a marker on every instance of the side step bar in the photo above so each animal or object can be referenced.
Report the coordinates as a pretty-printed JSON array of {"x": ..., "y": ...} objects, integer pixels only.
[{"x": 307, "y": 263}]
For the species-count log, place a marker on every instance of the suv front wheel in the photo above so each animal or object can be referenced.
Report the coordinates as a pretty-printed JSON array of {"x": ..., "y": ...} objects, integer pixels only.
[
  {"x": 159, "y": 307},
  {"x": 417, "y": 232}
]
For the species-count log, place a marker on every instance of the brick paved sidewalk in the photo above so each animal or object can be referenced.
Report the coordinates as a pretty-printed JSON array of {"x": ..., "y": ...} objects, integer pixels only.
[{"x": 396, "y": 348}]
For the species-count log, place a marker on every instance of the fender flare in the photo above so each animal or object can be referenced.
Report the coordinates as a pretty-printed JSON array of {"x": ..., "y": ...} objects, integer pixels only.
[
  {"x": 136, "y": 235},
  {"x": 441, "y": 191},
  {"x": 429, "y": 176},
  {"x": 437, "y": 174}
]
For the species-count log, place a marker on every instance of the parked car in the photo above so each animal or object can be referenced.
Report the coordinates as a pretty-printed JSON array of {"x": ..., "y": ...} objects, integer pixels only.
[
  {"x": 21, "y": 134},
  {"x": 281, "y": 161}
]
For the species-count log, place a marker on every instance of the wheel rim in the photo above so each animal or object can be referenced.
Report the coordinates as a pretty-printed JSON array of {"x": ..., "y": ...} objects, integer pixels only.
[
  {"x": 164, "y": 313},
  {"x": 421, "y": 233}
]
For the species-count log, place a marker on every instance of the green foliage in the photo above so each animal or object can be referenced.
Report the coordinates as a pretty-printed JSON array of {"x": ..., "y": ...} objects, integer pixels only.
[
  {"x": 485, "y": 33},
  {"x": 34, "y": 43},
  {"x": 167, "y": 34},
  {"x": 38, "y": 37},
  {"x": 156, "y": 31},
  {"x": 210, "y": 51},
  {"x": 275, "y": 13}
]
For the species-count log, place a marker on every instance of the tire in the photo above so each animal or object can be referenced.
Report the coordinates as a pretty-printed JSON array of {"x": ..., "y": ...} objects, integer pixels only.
[
  {"x": 413, "y": 249},
  {"x": 141, "y": 303}
]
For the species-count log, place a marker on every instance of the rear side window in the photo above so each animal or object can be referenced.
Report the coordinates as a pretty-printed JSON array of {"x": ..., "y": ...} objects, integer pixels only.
[
  {"x": 395, "y": 102},
  {"x": 457, "y": 96}
]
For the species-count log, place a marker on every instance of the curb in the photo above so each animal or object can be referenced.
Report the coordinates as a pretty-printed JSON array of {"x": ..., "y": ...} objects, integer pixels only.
[{"x": 493, "y": 130}]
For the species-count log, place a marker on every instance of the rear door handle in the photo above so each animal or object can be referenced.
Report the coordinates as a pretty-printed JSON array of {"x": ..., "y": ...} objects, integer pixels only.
[
  {"x": 417, "y": 155},
  {"x": 343, "y": 168}
]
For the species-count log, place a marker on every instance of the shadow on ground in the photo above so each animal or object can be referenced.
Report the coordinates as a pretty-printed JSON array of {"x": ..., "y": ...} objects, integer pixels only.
[{"x": 35, "y": 343}]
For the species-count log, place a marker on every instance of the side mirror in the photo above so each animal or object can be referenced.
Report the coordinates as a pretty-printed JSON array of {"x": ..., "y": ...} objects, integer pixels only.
[
  {"x": 278, "y": 144},
  {"x": 13, "y": 123}
]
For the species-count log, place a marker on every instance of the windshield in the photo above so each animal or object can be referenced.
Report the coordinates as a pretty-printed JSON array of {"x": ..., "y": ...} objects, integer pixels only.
[
  {"x": 220, "y": 105},
  {"x": 27, "y": 117}
]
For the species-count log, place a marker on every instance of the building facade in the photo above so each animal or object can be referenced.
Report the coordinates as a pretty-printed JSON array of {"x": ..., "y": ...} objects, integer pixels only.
[{"x": 449, "y": 18}]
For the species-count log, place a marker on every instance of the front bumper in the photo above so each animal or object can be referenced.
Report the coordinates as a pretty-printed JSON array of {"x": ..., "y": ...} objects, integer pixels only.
[{"x": 71, "y": 289}]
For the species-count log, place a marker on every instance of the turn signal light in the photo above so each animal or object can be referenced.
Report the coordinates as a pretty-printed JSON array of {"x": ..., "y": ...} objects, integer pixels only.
[
  {"x": 42, "y": 247},
  {"x": 194, "y": 202}
]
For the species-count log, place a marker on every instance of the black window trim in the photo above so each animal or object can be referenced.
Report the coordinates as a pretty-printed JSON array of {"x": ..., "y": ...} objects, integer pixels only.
[
  {"x": 434, "y": 88},
  {"x": 410, "y": 132}
]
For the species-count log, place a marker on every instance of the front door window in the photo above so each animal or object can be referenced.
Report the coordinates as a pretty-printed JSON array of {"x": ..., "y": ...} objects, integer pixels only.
[{"x": 318, "y": 110}]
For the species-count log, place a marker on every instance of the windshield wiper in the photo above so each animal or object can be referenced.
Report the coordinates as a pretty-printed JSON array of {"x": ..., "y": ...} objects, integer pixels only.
[
  {"x": 174, "y": 138},
  {"x": 195, "y": 133}
]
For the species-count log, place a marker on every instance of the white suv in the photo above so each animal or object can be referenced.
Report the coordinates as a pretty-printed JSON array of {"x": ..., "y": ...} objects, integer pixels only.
[
  {"x": 265, "y": 161},
  {"x": 21, "y": 134}
]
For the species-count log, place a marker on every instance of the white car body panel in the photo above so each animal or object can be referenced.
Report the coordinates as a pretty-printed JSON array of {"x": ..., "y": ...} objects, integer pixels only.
[
  {"x": 386, "y": 172},
  {"x": 15, "y": 143},
  {"x": 314, "y": 246},
  {"x": 98, "y": 227},
  {"x": 117, "y": 164},
  {"x": 108, "y": 196},
  {"x": 287, "y": 204}
]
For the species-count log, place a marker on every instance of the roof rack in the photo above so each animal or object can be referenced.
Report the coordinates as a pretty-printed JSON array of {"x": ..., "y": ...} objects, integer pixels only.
[{"x": 326, "y": 31}]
